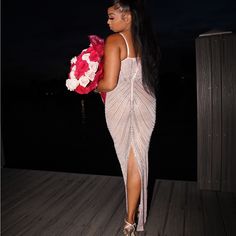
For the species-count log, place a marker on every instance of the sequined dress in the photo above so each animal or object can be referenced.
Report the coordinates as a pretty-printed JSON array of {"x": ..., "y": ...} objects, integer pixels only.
[{"x": 130, "y": 116}]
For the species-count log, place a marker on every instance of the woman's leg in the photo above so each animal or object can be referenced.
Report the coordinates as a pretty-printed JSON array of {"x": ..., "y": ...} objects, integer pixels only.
[{"x": 133, "y": 186}]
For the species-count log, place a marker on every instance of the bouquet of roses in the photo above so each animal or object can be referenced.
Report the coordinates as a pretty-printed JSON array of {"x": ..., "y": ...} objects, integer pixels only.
[{"x": 87, "y": 68}]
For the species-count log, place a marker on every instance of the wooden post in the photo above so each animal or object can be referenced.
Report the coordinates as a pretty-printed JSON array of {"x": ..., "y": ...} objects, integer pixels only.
[{"x": 216, "y": 107}]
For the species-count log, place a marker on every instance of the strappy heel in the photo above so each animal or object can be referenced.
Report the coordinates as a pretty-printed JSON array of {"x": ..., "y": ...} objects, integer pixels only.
[{"x": 129, "y": 229}]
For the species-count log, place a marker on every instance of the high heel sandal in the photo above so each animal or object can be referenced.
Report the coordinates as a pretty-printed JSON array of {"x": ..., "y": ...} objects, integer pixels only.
[{"x": 129, "y": 229}]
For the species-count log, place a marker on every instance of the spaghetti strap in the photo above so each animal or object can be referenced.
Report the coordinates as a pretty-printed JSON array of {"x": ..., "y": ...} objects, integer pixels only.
[{"x": 126, "y": 44}]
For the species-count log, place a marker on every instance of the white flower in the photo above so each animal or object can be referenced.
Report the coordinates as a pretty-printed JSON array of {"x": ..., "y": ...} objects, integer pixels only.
[
  {"x": 93, "y": 65},
  {"x": 90, "y": 74},
  {"x": 73, "y": 68},
  {"x": 71, "y": 84},
  {"x": 72, "y": 75},
  {"x": 85, "y": 57},
  {"x": 73, "y": 60},
  {"x": 83, "y": 81}
]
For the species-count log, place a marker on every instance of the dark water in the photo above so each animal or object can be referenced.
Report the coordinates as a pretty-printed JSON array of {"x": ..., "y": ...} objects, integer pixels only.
[{"x": 47, "y": 130}]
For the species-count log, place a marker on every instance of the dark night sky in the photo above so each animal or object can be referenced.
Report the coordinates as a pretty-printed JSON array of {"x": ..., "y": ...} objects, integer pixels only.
[
  {"x": 40, "y": 37},
  {"x": 38, "y": 40}
]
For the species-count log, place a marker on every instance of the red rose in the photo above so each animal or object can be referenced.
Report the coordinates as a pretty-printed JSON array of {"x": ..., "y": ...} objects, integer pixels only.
[
  {"x": 94, "y": 56},
  {"x": 81, "y": 67},
  {"x": 79, "y": 58},
  {"x": 90, "y": 49}
]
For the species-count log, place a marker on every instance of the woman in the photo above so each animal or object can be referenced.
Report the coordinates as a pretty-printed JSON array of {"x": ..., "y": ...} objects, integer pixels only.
[{"x": 130, "y": 76}]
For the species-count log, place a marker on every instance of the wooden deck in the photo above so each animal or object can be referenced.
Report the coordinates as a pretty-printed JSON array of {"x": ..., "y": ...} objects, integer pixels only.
[{"x": 56, "y": 203}]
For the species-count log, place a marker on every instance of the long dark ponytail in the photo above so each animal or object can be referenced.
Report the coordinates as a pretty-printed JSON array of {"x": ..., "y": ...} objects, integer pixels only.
[{"x": 144, "y": 41}]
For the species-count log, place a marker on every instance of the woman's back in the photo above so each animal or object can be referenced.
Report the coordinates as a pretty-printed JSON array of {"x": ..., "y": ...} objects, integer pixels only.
[
  {"x": 130, "y": 115},
  {"x": 130, "y": 106}
]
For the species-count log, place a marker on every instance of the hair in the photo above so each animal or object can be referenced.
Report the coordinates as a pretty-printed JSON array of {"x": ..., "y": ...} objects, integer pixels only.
[{"x": 144, "y": 41}]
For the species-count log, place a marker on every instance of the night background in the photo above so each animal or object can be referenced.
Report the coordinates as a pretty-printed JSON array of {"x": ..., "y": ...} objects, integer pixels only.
[{"x": 43, "y": 126}]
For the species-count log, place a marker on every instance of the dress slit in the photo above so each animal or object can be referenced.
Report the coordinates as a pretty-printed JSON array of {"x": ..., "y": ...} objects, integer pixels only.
[{"x": 141, "y": 209}]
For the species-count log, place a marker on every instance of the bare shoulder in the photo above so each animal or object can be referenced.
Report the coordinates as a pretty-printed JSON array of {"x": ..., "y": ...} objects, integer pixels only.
[{"x": 114, "y": 39}]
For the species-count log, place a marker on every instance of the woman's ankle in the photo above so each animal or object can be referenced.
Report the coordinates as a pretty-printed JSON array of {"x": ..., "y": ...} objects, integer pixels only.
[{"x": 130, "y": 219}]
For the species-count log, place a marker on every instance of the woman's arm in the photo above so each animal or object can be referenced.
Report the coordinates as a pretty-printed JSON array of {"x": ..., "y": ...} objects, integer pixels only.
[{"x": 111, "y": 64}]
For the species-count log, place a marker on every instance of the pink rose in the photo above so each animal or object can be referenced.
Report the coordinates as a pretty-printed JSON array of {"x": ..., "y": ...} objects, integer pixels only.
[
  {"x": 94, "y": 56},
  {"x": 81, "y": 67},
  {"x": 89, "y": 50},
  {"x": 99, "y": 49},
  {"x": 79, "y": 57}
]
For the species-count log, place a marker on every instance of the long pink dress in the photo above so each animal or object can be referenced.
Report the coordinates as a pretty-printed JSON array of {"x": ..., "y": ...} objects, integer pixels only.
[{"x": 130, "y": 116}]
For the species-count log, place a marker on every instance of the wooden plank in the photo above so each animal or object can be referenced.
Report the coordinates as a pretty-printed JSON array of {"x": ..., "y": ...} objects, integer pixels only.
[
  {"x": 194, "y": 215},
  {"x": 95, "y": 204},
  {"x": 159, "y": 207},
  {"x": 229, "y": 113},
  {"x": 54, "y": 207},
  {"x": 176, "y": 211},
  {"x": 62, "y": 199},
  {"x": 79, "y": 204},
  {"x": 71, "y": 212},
  {"x": 23, "y": 190},
  {"x": 204, "y": 113},
  {"x": 211, "y": 214},
  {"x": 23, "y": 187},
  {"x": 116, "y": 222},
  {"x": 21, "y": 213},
  {"x": 21, "y": 204},
  {"x": 228, "y": 210},
  {"x": 216, "y": 54},
  {"x": 106, "y": 202}
]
